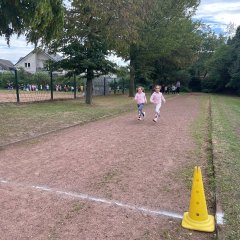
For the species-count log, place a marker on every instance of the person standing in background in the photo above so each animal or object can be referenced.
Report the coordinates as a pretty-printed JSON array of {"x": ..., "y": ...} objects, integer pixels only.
[{"x": 178, "y": 87}]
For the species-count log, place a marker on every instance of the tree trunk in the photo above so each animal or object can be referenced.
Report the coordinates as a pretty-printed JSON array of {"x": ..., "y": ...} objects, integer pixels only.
[{"x": 89, "y": 90}]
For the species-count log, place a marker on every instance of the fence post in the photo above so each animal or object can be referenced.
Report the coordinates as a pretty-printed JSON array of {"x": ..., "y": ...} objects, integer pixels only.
[
  {"x": 17, "y": 86},
  {"x": 104, "y": 86},
  {"x": 115, "y": 86},
  {"x": 51, "y": 84},
  {"x": 75, "y": 86}
]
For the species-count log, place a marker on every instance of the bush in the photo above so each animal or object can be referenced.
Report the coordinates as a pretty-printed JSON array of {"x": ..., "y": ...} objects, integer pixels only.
[{"x": 6, "y": 78}]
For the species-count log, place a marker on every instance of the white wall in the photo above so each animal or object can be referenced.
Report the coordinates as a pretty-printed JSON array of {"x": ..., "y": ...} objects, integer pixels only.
[
  {"x": 31, "y": 58},
  {"x": 41, "y": 58},
  {"x": 36, "y": 61}
]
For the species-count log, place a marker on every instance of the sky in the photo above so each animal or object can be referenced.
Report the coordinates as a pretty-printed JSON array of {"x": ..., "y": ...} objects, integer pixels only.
[{"x": 218, "y": 14}]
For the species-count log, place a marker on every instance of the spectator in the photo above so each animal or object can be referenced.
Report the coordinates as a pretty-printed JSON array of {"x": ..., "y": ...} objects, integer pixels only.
[{"x": 178, "y": 87}]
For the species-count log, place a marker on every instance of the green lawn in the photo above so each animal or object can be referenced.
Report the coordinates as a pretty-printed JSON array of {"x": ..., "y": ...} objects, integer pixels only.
[
  {"x": 226, "y": 158},
  {"x": 22, "y": 121}
]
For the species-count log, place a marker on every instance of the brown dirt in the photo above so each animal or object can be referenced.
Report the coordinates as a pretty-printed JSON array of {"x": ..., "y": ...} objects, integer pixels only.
[{"x": 122, "y": 159}]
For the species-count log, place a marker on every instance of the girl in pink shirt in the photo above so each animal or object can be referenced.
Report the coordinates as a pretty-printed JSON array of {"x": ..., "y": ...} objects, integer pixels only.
[
  {"x": 157, "y": 98},
  {"x": 140, "y": 98}
]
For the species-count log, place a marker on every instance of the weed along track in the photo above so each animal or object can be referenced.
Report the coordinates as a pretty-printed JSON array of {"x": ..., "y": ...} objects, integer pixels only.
[{"x": 211, "y": 169}]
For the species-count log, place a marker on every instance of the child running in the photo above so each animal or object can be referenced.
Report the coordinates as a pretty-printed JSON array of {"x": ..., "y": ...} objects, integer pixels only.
[
  {"x": 140, "y": 98},
  {"x": 157, "y": 98}
]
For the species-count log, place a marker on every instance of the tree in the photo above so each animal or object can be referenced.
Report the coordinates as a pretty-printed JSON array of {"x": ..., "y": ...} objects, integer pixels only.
[
  {"x": 234, "y": 69},
  {"x": 92, "y": 30},
  {"x": 169, "y": 41},
  {"x": 223, "y": 66},
  {"x": 40, "y": 20},
  {"x": 200, "y": 70},
  {"x": 218, "y": 70},
  {"x": 167, "y": 36}
]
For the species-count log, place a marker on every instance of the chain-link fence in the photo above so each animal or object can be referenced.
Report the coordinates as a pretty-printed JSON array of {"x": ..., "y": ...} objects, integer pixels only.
[{"x": 19, "y": 86}]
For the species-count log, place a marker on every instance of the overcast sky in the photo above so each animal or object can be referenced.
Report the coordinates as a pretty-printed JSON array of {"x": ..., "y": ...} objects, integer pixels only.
[
  {"x": 219, "y": 13},
  {"x": 216, "y": 13}
]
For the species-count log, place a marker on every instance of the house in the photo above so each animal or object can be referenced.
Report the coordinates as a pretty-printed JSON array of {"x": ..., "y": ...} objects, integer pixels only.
[
  {"x": 35, "y": 61},
  {"x": 6, "y": 65}
]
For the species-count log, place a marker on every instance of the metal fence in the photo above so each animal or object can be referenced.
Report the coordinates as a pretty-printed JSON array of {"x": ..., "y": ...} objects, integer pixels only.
[
  {"x": 16, "y": 90},
  {"x": 40, "y": 90}
]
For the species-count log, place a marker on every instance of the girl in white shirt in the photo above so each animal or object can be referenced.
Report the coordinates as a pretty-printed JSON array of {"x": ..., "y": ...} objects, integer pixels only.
[{"x": 157, "y": 98}]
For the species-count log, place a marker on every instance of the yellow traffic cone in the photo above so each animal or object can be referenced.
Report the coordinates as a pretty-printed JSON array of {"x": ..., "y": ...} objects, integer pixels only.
[{"x": 197, "y": 218}]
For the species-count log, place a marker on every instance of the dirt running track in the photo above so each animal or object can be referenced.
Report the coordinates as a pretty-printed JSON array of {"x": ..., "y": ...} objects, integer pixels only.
[{"x": 120, "y": 163}]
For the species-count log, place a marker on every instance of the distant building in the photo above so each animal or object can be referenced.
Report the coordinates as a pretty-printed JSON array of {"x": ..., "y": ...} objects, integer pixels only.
[
  {"x": 35, "y": 61},
  {"x": 6, "y": 65}
]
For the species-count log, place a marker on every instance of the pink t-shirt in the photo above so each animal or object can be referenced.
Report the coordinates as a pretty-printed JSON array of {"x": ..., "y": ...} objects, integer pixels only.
[
  {"x": 157, "y": 98},
  {"x": 140, "y": 97}
]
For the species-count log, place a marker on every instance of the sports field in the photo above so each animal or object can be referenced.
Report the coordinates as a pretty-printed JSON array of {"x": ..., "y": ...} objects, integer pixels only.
[
  {"x": 9, "y": 96},
  {"x": 115, "y": 178}
]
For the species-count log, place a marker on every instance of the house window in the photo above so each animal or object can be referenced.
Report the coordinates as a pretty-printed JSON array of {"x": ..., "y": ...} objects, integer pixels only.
[{"x": 27, "y": 65}]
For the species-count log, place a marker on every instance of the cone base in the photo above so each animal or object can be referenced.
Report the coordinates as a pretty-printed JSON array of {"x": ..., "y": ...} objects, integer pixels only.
[{"x": 204, "y": 226}]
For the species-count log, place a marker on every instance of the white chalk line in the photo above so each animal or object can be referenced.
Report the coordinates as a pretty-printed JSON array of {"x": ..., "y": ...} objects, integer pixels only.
[
  {"x": 82, "y": 196},
  {"x": 219, "y": 218}
]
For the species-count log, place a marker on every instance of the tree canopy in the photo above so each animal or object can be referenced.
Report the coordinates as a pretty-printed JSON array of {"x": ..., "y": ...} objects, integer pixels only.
[
  {"x": 39, "y": 21},
  {"x": 159, "y": 37},
  {"x": 92, "y": 30},
  {"x": 221, "y": 66},
  {"x": 168, "y": 40}
]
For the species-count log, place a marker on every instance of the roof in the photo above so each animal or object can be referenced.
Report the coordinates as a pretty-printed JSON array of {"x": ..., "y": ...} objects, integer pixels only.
[
  {"x": 6, "y": 64},
  {"x": 21, "y": 58},
  {"x": 54, "y": 57}
]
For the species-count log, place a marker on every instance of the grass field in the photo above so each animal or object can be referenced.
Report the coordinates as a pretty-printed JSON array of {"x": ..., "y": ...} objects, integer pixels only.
[
  {"x": 24, "y": 121},
  {"x": 226, "y": 153}
]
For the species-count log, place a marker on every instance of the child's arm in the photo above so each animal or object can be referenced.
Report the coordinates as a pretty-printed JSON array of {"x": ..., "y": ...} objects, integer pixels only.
[
  {"x": 151, "y": 98},
  {"x": 145, "y": 99},
  {"x": 164, "y": 100},
  {"x": 135, "y": 98}
]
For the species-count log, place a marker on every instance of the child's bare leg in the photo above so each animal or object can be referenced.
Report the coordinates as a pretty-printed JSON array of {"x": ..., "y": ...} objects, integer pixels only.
[{"x": 157, "y": 112}]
